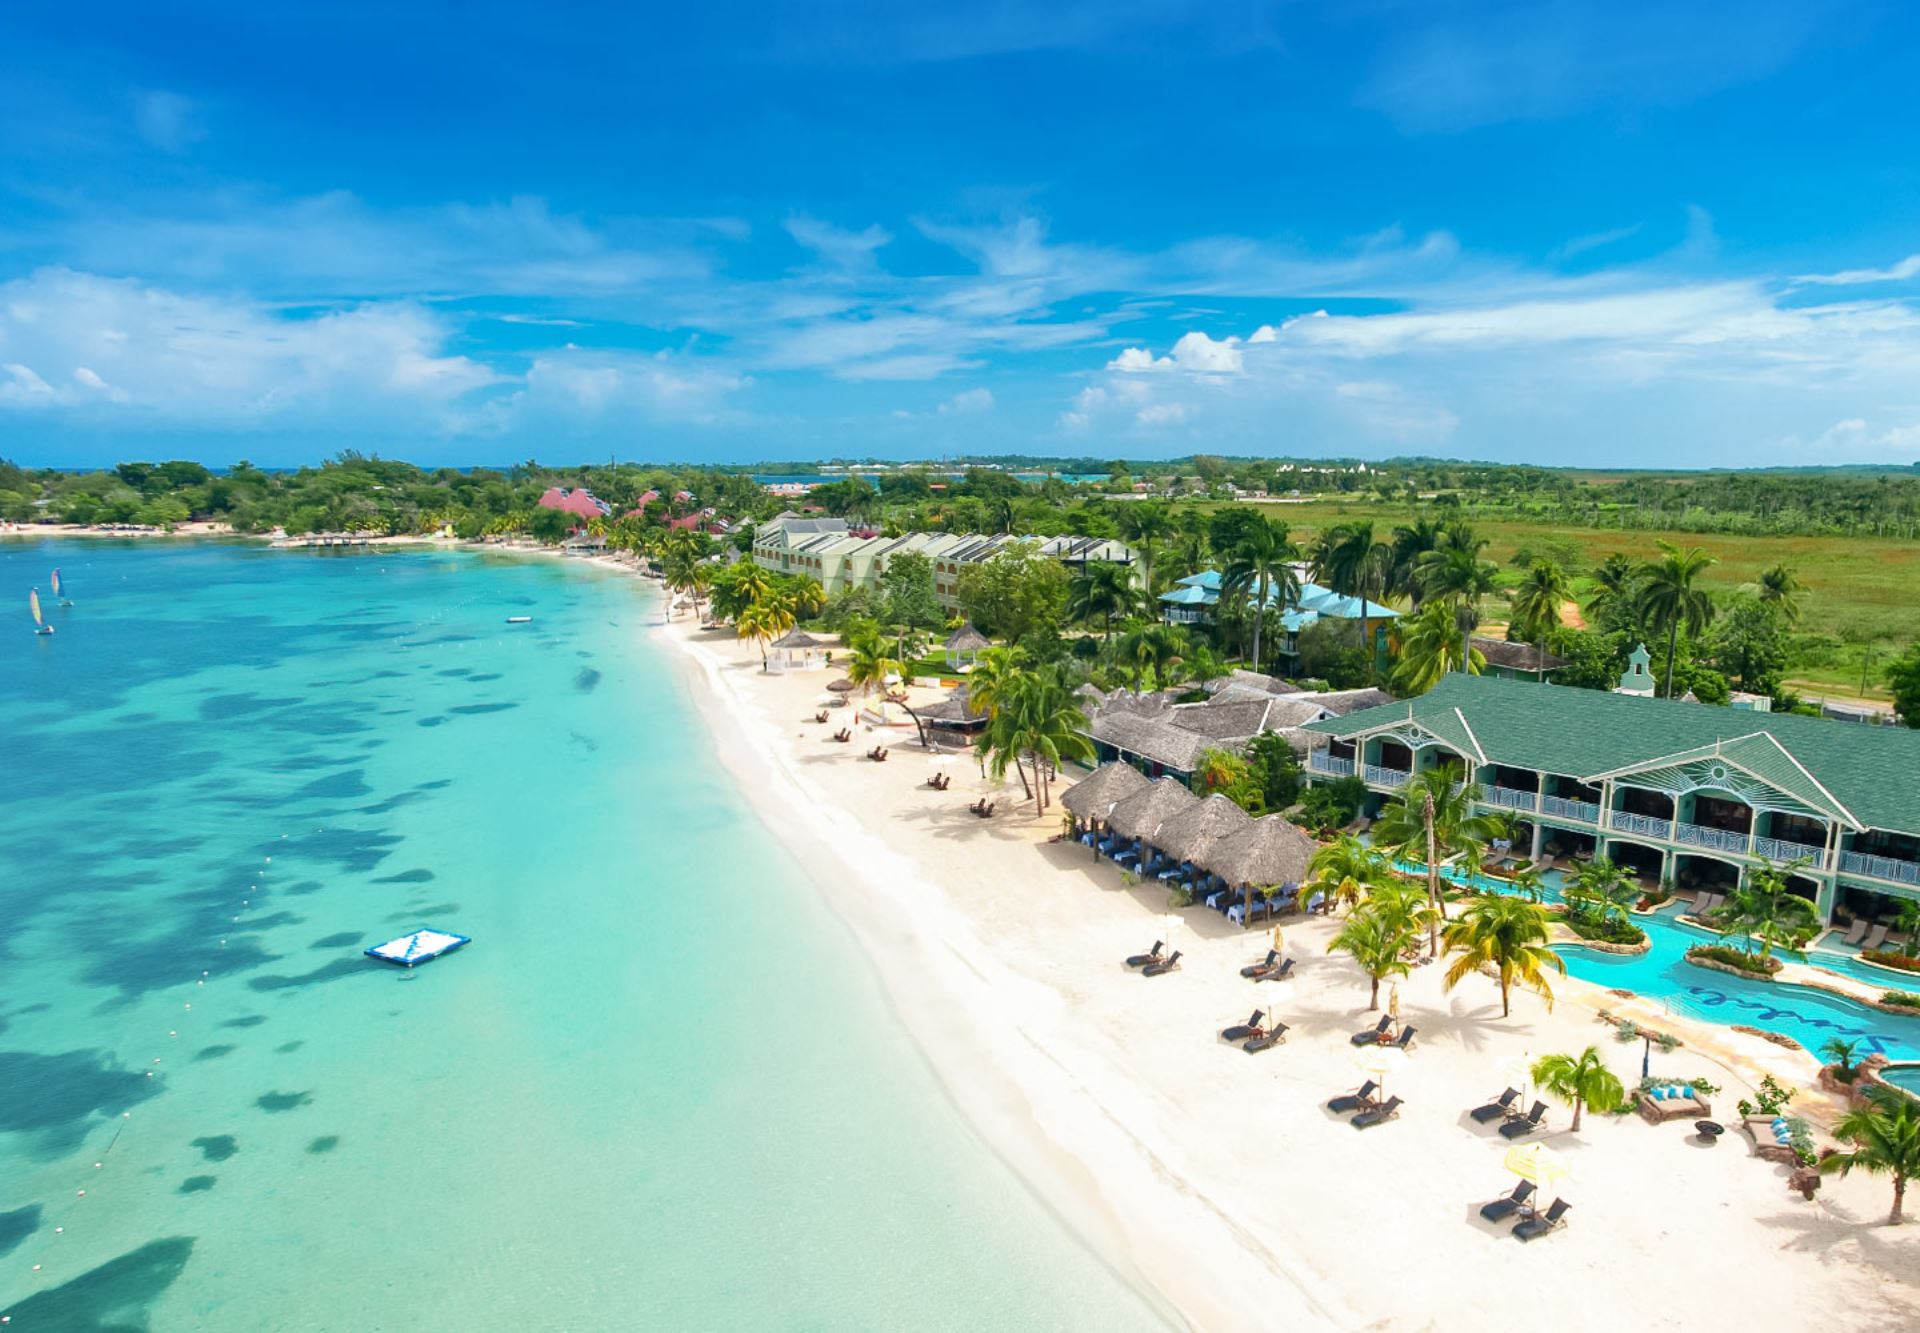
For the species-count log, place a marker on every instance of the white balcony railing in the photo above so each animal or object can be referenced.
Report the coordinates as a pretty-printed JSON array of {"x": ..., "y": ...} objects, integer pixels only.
[
  {"x": 1880, "y": 867},
  {"x": 1584, "y": 811},
  {"x": 1387, "y": 777},
  {"x": 1332, "y": 765},
  {"x": 1512, "y": 798},
  {"x": 1718, "y": 839},
  {"x": 1774, "y": 849},
  {"x": 1644, "y": 825}
]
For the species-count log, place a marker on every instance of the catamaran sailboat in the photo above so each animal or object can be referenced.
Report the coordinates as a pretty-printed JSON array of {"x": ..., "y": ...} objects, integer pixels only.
[{"x": 39, "y": 621}]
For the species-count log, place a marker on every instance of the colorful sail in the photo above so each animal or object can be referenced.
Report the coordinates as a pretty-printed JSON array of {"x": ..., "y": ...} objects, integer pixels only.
[
  {"x": 56, "y": 584},
  {"x": 33, "y": 600}
]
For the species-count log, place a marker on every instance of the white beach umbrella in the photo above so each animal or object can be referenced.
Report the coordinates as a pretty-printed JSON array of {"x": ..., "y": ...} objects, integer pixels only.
[
  {"x": 1381, "y": 1062},
  {"x": 1538, "y": 1163}
]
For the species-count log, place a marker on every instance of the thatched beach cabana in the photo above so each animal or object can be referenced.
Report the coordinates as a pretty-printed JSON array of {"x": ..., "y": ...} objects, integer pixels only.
[
  {"x": 1142, "y": 814},
  {"x": 1269, "y": 851},
  {"x": 1198, "y": 830},
  {"x": 963, "y": 647},
  {"x": 796, "y": 650},
  {"x": 1092, "y": 799}
]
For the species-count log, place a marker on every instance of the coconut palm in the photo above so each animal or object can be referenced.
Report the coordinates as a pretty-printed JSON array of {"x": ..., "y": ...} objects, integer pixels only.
[
  {"x": 1410, "y": 543},
  {"x": 1581, "y": 1081},
  {"x": 994, "y": 677},
  {"x": 1906, "y": 919},
  {"x": 1151, "y": 653},
  {"x": 764, "y": 621},
  {"x": 1352, "y": 562},
  {"x": 1429, "y": 649},
  {"x": 1343, "y": 872},
  {"x": 1509, "y": 936},
  {"x": 1376, "y": 941},
  {"x": 1779, "y": 586},
  {"x": 1885, "y": 1134},
  {"x": 868, "y": 663},
  {"x": 1040, "y": 721},
  {"x": 1765, "y": 910},
  {"x": 1530, "y": 884},
  {"x": 1669, "y": 599},
  {"x": 1260, "y": 571},
  {"x": 1455, "y": 575},
  {"x": 1102, "y": 589},
  {"x": 1146, "y": 524},
  {"x": 1605, "y": 887},
  {"x": 1537, "y": 601},
  {"x": 1839, "y": 1052},
  {"x": 1616, "y": 591},
  {"x": 1431, "y": 820}
]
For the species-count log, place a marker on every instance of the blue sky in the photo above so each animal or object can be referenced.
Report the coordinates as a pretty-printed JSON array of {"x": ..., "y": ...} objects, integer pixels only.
[{"x": 1643, "y": 234}]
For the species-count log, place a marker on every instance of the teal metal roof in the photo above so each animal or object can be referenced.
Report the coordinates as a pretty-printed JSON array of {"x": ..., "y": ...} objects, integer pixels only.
[
  {"x": 1191, "y": 595},
  {"x": 1860, "y": 774}
]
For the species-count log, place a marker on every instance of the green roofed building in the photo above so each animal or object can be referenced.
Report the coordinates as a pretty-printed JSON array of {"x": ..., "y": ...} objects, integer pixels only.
[{"x": 1676, "y": 791}]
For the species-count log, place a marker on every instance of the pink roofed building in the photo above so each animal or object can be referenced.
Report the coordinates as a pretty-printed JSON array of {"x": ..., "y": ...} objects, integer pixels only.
[{"x": 578, "y": 501}]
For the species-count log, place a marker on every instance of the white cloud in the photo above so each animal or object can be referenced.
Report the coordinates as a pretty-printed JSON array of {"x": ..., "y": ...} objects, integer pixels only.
[
  {"x": 572, "y": 386},
  {"x": 1161, "y": 414},
  {"x": 973, "y": 400},
  {"x": 837, "y": 246},
  {"x": 1851, "y": 277},
  {"x": 1855, "y": 440},
  {"x": 1195, "y": 353},
  {"x": 167, "y": 120}
]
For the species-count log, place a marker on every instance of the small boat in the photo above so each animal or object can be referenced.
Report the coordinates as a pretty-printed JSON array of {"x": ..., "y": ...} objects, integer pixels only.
[
  {"x": 40, "y": 622},
  {"x": 59, "y": 590},
  {"x": 519, "y": 620}
]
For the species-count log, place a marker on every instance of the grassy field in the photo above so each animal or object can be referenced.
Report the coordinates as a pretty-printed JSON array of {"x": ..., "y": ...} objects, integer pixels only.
[{"x": 1860, "y": 591}]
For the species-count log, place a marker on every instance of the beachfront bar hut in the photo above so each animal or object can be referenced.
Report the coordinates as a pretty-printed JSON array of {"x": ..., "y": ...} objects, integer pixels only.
[
  {"x": 1092, "y": 799},
  {"x": 963, "y": 647},
  {"x": 796, "y": 650},
  {"x": 1269, "y": 851},
  {"x": 1141, "y": 815},
  {"x": 1190, "y": 836}
]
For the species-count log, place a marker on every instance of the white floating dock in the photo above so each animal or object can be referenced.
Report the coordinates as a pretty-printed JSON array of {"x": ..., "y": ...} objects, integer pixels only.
[{"x": 417, "y": 947}]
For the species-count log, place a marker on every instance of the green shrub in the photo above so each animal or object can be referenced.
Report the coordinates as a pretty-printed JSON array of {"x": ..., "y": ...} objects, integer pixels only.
[
  {"x": 1904, "y": 998},
  {"x": 1611, "y": 931},
  {"x": 1888, "y": 958},
  {"x": 1750, "y": 963},
  {"x": 1771, "y": 1098}
]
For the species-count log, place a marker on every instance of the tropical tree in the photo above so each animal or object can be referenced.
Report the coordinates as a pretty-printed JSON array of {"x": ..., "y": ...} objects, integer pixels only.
[
  {"x": 1778, "y": 586},
  {"x": 1344, "y": 871},
  {"x": 1349, "y": 559},
  {"x": 1509, "y": 936},
  {"x": 1410, "y": 543},
  {"x": 1429, "y": 649},
  {"x": 1151, "y": 653},
  {"x": 1537, "y": 601},
  {"x": 1101, "y": 589},
  {"x": 1455, "y": 575},
  {"x": 1260, "y": 571},
  {"x": 868, "y": 662},
  {"x": 1765, "y": 910},
  {"x": 1885, "y": 1134},
  {"x": 1614, "y": 602},
  {"x": 995, "y": 676},
  {"x": 1377, "y": 942},
  {"x": 1581, "y": 1081},
  {"x": 1839, "y": 1052},
  {"x": 1604, "y": 887},
  {"x": 1432, "y": 819},
  {"x": 1906, "y": 919},
  {"x": 1529, "y": 883},
  {"x": 764, "y": 621},
  {"x": 1146, "y": 524},
  {"x": 1040, "y": 721},
  {"x": 1669, "y": 599}
]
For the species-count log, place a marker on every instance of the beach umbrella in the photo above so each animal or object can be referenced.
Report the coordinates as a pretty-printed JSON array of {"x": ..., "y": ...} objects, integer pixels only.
[
  {"x": 841, "y": 686},
  {"x": 1538, "y": 1163},
  {"x": 1276, "y": 939},
  {"x": 1380, "y": 1062},
  {"x": 1393, "y": 1002}
]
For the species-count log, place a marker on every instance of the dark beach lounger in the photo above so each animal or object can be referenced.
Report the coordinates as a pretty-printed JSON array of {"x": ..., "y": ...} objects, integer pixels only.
[
  {"x": 1241, "y": 1031},
  {"x": 1277, "y": 974},
  {"x": 1150, "y": 956},
  {"x": 1264, "y": 966},
  {"x": 1355, "y": 1101},
  {"x": 1494, "y": 1110},
  {"x": 1275, "y": 1034},
  {"x": 1858, "y": 930},
  {"x": 1171, "y": 963},
  {"x": 1540, "y": 1224},
  {"x": 1374, "y": 1033},
  {"x": 1506, "y": 1206},
  {"x": 1405, "y": 1041},
  {"x": 1519, "y": 1128},
  {"x": 1379, "y": 1115}
]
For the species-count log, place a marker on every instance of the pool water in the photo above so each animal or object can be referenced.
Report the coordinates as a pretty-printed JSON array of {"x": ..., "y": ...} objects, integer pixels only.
[{"x": 1904, "y": 1077}]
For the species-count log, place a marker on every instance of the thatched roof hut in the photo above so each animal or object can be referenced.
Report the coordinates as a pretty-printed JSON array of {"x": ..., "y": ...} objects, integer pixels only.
[
  {"x": 1195, "y": 832},
  {"x": 1142, "y": 814},
  {"x": 1269, "y": 850},
  {"x": 1094, "y": 797}
]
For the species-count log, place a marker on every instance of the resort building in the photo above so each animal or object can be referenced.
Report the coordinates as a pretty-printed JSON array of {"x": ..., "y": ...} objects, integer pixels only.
[
  {"x": 841, "y": 558},
  {"x": 1516, "y": 661},
  {"x": 1162, "y": 738},
  {"x": 1193, "y": 599},
  {"x": 1677, "y": 792},
  {"x": 579, "y": 502}
]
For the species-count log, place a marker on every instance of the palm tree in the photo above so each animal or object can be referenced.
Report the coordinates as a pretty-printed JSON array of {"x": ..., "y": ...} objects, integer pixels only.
[
  {"x": 1529, "y": 884},
  {"x": 1430, "y": 819},
  {"x": 1839, "y": 1052},
  {"x": 1410, "y": 543},
  {"x": 1779, "y": 586},
  {"x": 1102, "y": 588},
  {"x": 1352, "y": 562},
  {"x": 1509, "y": 936},
  {"x": 1376, "y": 942},
  {"x": 1152, "y": 652},
  {"x": 1457, "y": 576},
  {"x": 1345, "y": 870},
  {"x": 1906, "y": 918},
  {"x": 764, "y": 621},
  {"x": 1616, "y": 590},
  {"x": 1260, "y": 570},
  {"x": 868, "y": 664},
  {"x": 995, "y": 675},
  {"x": 1040, "y": 721},
  {"x": 1669, "y": 599},
  {"x": 1429, "y": 648},
  {"x": 1765, "y": 909},
  {"x": 1536, "y": 604},
  {"x": 1581, "y": 1080},
  {"x": 1146, "y": 524},
  {"x": 1604, "y": 886},
  {"x": 1885, "y": 1134}
]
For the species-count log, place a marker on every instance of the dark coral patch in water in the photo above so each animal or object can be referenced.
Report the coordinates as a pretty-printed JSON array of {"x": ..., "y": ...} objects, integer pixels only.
[
  {"x": 214, "y": 1052},
  {"x": 113, "y": 1298},
  {"x": 324, "y": 1144},
  {"x": 17, "y": 1225},
  {"x": 420, "y": 875},
  {"x": 337, "y": 940},
  {"x": 53, "y": 1097},
  {"x": 196, "y": 1184},
  {"x": 339, "y": 967},
  {"x": 282, "y": 1101},
  {"x": 245, "y": 1021},
  {"x": 217, "y": 1147}
]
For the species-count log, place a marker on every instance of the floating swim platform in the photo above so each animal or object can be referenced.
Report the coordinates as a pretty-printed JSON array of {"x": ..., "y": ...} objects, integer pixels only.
[
  {"x": 418, "y": 947},
  {"x": 519, "y": 620}
]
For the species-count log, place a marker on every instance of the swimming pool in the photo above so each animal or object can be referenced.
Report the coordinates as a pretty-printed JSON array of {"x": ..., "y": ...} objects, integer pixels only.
[{"x": 1481, "y": 883}]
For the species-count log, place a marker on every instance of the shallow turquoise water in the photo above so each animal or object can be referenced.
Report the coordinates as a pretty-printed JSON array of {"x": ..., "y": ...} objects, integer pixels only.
[{"x": 659, "y": 1090}]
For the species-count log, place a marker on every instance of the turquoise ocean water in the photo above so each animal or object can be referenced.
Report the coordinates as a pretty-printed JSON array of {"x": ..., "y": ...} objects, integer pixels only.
[{"x": 659, "y": 1090}]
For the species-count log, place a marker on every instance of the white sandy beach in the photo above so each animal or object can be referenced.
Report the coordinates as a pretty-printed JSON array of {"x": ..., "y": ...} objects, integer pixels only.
[{"x": 1215, "y": 1180}]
